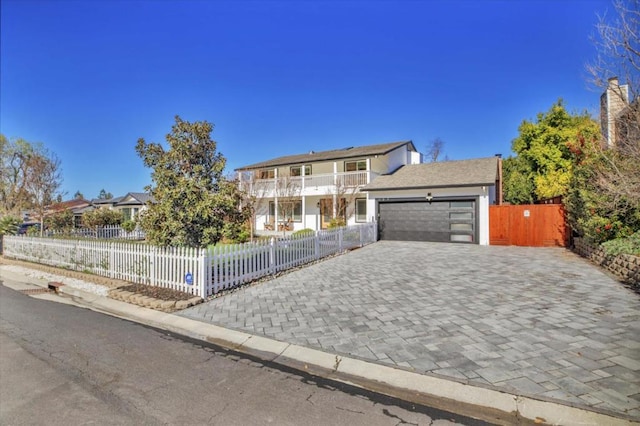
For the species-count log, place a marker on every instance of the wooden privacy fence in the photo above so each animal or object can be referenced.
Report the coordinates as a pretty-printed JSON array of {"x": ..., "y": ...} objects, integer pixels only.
[
  {"x": 534, "y": 225},
  {"x": 200, "y": 272}
]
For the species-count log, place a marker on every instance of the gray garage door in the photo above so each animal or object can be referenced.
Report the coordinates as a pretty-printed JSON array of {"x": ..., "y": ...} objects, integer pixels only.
[{"x": 445, "y": 221}]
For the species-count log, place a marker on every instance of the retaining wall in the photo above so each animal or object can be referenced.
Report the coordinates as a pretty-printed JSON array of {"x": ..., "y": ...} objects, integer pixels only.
[{"x": 625, "y": 266}]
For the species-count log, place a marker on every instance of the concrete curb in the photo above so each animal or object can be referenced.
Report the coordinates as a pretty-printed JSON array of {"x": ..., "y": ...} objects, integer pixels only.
[{"x": 488, "y": 404}]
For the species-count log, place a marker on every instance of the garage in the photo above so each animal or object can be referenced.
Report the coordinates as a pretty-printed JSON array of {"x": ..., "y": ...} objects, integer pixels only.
[
  {"x": 422, "y": 220},
  {"x": 444, "y": 201}
]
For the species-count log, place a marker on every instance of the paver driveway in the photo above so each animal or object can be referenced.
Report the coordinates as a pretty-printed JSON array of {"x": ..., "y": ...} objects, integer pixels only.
[{"x": 536, "y": 321}]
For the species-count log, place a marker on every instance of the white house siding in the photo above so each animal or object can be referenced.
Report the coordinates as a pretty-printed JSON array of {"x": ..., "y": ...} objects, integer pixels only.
[{"x": 482, "y": 194}]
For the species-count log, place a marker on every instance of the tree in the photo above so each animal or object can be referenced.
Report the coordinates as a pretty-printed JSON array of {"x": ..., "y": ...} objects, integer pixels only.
[
  {"x": 60, "y": 221},
  {"x": 604, "y": 200},
  {"x": 78, "y": 196},
  {"x": 43, "y": 179},
  {"x": 517, "y": 183},
  {"x": 195, "y": 205},
  {"x": 617, "y": 44},
  {"x": 14, "y": 157},
  {"x": 544, "y": 162},
  {"x": 30, "y": 176},
  {"x": 287, "y": 192},
  {"x": 104, "y": 195},
  {"x": 434, "y": 151}
]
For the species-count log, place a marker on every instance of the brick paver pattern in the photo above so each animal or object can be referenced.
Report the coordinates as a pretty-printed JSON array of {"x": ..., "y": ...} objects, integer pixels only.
[{"x": 535, "y": 321}]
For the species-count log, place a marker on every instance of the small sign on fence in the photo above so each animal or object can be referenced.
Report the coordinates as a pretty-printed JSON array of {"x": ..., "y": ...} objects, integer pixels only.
[{"x": 189, "y": 278}]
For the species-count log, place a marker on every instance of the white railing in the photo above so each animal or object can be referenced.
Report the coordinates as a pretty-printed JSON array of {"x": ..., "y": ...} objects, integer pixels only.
[
  {"x": 101, "y": 232},
  {"x": 199, "y": 272},
  {"x": 267, "y": 187}
]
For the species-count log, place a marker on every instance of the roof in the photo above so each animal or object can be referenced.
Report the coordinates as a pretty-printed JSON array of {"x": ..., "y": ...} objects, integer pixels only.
[
  {"x": 138, "y": 198},
  {"x": 70, "y": 204},
  {"x": 335, "y": 154},
  {"x": 113, "y": 200},
  {"x": 475, "y": 172}
]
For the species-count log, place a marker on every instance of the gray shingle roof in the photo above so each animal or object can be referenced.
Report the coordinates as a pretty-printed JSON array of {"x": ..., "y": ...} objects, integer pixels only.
[
  {"x": 475, "y": 172},
  {"x": 141, "y": 197},
  {"x": 352, "y": 152}
]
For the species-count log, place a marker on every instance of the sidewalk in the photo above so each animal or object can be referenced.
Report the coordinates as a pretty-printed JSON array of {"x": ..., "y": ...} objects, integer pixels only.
[{"x": 489, "y": 404}]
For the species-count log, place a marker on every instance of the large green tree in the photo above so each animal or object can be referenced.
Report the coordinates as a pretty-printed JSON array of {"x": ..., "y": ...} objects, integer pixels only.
[
  {"x": 194, "y": 204},
  {"x": 544, "y": 164}
]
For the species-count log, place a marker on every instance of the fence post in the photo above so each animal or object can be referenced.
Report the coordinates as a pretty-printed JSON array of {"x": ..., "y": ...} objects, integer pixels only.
[
  {"x": 272, "y": 256},
  {"x": 340, "y": 230},
  {"x": 202, "y": 276},
  {"x": 316, "y": 244}
]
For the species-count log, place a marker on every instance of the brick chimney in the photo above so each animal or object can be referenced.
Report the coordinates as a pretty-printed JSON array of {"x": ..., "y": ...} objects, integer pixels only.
[{"x": 612, "y": 102}]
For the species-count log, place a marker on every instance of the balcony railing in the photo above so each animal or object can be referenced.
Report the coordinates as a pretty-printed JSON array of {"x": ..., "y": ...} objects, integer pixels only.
[{"x": 307, "y": 185}]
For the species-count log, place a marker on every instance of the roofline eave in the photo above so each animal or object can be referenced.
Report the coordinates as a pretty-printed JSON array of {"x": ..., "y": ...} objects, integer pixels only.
[{"x": 403, "y": 188}]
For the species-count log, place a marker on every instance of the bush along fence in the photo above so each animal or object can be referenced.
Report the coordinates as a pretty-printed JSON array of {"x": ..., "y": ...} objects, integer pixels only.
[
  {"x": 101, "y": 232},
  {"x": 201, "y": 272},
  {"x": 625, "y": 266}
]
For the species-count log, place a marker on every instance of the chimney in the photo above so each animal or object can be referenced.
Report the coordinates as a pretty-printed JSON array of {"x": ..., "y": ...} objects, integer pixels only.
[{"x": 612, "y": 102}]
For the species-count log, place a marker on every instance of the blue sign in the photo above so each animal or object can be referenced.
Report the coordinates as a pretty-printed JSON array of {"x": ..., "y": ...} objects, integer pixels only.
[{"x": 189, "y": 278}]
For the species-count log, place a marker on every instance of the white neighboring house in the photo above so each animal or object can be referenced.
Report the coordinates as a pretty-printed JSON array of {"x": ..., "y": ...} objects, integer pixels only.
[
  {"x": 308, "y": 191},
  {"x": 132, "y": 204}
]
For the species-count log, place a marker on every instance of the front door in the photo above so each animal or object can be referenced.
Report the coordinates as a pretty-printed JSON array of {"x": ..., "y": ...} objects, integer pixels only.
[{"x": 326, "y": 212}]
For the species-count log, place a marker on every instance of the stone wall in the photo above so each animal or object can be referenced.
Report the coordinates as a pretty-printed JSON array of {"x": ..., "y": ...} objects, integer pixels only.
[{"x": 624, "y": 266}]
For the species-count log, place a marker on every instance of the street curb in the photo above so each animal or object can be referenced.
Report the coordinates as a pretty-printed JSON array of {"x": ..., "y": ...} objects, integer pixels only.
[{"x": 487, "y": 404}]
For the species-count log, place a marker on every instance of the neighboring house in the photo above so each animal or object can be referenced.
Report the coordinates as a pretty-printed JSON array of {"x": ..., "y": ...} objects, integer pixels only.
[
  {"x": 77, "y": 207},
  {"x": 443, "y": 201},
  {"x": 105, "y": 203},
  {"x": 310, "y": 191},
  {"x": 132, "y": 204}
]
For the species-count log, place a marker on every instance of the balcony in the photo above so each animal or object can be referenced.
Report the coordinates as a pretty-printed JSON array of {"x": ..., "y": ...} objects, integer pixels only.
[{"x": 323, "y": 184}]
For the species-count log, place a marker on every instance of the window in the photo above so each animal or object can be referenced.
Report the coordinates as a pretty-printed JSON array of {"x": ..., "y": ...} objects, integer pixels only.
[
  {"x": 355, "y": 166},
  {"x": 129, "y": 213},
  {"x": 461, "y": 204},
  {"x": 286, "y": 210},
  {"x": 297, "y": 170},
  {"x": 361, "y": 210},
  {"x": 266, "y": 174}
]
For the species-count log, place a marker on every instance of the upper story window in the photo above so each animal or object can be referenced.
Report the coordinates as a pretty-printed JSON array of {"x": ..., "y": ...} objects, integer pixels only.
[
  {"x": 355, "y": 166},
  {"x": 297, "y": 170},
  {"x": 266, "y": 174}
]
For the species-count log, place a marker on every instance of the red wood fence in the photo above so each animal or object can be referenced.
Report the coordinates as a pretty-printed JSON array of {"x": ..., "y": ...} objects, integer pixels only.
[{"x": 535, "y": 225}]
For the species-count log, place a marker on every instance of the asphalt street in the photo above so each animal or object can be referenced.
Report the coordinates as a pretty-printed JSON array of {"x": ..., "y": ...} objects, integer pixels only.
[{"x": 62, "y": 364}]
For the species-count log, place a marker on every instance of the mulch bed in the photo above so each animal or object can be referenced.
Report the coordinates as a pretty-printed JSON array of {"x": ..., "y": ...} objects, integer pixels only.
[{"x": 157, "y": 292}]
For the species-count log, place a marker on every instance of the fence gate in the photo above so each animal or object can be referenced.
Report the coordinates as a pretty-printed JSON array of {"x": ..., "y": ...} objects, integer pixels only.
[{"x": 536, "y": 225}]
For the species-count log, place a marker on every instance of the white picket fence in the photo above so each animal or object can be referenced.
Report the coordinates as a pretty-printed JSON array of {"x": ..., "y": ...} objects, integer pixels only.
[{"x": 199, "y": 272}]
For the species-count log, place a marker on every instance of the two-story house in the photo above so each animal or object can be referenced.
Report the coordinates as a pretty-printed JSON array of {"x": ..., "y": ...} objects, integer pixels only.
[{"x": 316, "y": 189}]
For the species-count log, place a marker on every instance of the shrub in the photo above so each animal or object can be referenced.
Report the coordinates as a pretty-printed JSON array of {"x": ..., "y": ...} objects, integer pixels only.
[
  {"x": 337, "y": 222},
  {"x": 9, "y": 225},
  {"x": 305, "y": 231},
  {"x": 628, "y": 245},
  {"x": 129, "y": 225}
]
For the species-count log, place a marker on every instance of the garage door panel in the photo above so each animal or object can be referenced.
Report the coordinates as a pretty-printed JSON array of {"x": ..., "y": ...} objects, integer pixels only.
[{"x": 439, "y": 221}]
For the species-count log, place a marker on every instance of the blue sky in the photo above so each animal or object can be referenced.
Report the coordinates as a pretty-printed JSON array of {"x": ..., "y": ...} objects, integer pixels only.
[{"x": 88, "y": 78}]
